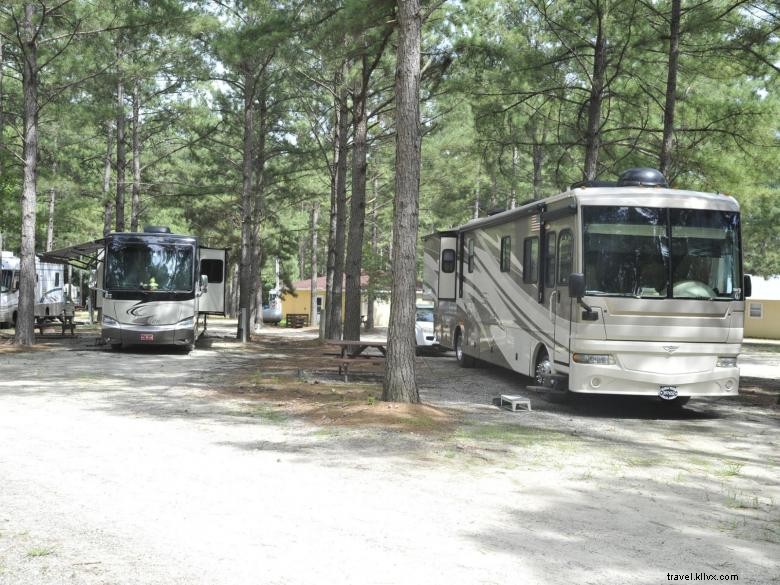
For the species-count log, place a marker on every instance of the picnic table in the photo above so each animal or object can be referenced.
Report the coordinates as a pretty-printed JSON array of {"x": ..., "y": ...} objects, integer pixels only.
[{"x": 351, "y": 353}]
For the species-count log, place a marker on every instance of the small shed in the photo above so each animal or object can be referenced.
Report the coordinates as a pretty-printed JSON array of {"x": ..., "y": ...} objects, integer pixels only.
[{"x": 762, "y": 309}]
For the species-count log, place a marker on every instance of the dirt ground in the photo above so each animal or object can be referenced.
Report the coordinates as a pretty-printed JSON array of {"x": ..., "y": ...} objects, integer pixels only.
[{"x": 257, "y": 464}]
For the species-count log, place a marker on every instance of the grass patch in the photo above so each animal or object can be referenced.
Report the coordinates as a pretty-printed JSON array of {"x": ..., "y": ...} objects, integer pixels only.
[
  {"x": 729, "y": 469},
  {"x": 513, "y": 434},
  {"x": 269, "y": 415},
  {"x": 39, "y": 551}
]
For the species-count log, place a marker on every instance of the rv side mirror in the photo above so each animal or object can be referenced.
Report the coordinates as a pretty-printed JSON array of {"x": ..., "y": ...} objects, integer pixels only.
[
  {"x": 204, "y": 283},
  {"x": 576, "y": 285},
  {"x": 747, "y": 286}
]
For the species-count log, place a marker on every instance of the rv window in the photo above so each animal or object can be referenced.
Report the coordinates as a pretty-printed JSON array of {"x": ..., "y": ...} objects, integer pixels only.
[
  {"x": 56, "y": 279},
  {"x": 213, "y": 269},
  {"x": 506, "y": 253},
  {"x": 531, "y": 260},
  {"x": 448, "y": 261},
  {"x": 549, "y": 261},
  {"x": 565, "y": 267},
  {"x": 471, "y": 255}
]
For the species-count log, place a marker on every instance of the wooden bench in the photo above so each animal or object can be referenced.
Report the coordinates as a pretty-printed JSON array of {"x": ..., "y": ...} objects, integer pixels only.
[
  {"x": 296, "y": 320},
  {"x": 344, "y": 364}
]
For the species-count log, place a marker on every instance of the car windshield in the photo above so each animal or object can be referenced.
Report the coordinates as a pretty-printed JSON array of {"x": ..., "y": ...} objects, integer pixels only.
[
  {"x": 425, "y": 315},
  {"x": 652, "y": 252},
  {"x": 149, "y": 267}
]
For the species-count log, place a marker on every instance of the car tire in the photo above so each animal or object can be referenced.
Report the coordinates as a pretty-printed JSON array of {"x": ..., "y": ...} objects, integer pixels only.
[{"x": 465, "y": 361}]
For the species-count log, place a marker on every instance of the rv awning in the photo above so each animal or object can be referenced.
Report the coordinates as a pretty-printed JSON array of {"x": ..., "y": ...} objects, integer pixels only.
[{"x": 84, "y": 256}]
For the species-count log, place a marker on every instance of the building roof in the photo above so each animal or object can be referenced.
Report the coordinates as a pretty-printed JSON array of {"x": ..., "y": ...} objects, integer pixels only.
[
  {"x": 765, "y": 289},
  {"x": 305, "y": 285}
]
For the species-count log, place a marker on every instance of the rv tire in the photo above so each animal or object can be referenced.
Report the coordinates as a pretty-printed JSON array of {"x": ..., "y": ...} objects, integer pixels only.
[
  {"x": 465, "y": 361},
  {"x": 116, "y": 346}
]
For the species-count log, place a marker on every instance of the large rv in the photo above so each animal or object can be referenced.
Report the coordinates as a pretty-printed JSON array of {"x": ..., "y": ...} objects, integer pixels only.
[
  {"x": 607, "y": 288},
  {"x": 153, "y": 287},
  {"x": 49, "y": 283}
]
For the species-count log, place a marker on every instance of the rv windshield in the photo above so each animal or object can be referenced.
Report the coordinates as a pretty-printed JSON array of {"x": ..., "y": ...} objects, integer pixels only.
[
  {"x": 149, "y": 267},
  {"x": 651, "y": 252},
  {"x": 5, "y": 281}
]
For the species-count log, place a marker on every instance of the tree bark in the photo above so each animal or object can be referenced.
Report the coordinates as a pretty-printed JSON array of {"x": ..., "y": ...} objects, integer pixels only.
[
  {"x": 121, "y": 157},
  {"x": 135, "y": 207},
  {"x": 357, "y": 212},
  {"x": 246, "y": 203},
  {"x": 315, "y": 219},
  {"x": 258, "y": 253},
  {"x": 108, "y": 204},
  {"x": 593, "y": 131},
  {"x": 50, "y": 224},
  {"x": 400, "y": 383},
  {"x": 374, "y": 245},
  {"x": 339, "y": 220},
  {"x": 667, "y": 142},
  {"x": 2, "y": 104},
  {"x": 25, "y": 332}
]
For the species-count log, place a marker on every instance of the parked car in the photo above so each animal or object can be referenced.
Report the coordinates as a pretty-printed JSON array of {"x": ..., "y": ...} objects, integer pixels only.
[{"x": 423, "y": 328}]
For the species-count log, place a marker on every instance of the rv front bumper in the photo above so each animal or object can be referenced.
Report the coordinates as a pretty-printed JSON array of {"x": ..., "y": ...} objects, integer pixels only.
[
  {"x": 147, "y": 335},
  {"x": 691, "y": 370}
]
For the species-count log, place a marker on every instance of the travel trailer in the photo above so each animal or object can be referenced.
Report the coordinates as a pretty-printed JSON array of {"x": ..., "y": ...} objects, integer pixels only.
[
  {"x": 153, "y": 287},
  {"x": 607, "y": 288},
  {"x": 49, "y": 283}
]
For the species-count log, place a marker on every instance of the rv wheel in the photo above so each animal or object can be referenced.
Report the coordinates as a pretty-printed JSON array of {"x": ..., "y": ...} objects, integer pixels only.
[
  {"x": 543, "y": 369},
  {"x": 116, "y": 346},
  {"x": 465, "y": 361}
]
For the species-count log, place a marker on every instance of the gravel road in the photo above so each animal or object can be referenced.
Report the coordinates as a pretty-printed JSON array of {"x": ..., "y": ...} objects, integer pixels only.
[{"x": 128, "y": 468}]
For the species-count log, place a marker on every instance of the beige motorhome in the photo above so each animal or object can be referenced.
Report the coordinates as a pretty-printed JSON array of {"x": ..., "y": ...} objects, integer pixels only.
[
  {"x": 607, "y": 288},
  {"x": 153, "y": 287}
]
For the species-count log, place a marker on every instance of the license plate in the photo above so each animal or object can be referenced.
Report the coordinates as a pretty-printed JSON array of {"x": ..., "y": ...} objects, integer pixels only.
[
  {"x": 147, "y": 336},
  {"x": 668, "y": 392}
]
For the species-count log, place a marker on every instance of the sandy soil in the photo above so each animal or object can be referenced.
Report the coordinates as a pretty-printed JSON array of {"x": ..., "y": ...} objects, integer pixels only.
[{"x": 236, "y": 465}]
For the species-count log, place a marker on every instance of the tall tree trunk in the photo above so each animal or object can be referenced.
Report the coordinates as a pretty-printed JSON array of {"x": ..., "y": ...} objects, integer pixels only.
[
  {"x": 121, "y": 157},
  {"x": 593, "y": 131},
  {"x": 537, "y": 156},
  {"x": 400, "y": 383},
  {"x": 340, "y": 220},
  {"x": 315, "y": 219},
  {"x": 2, "y": 105},
  {"x": 50, "y": 224},
  {"x": 246, "y": 203},
  {"x": 477, "y": 201},
  {"x": 258, "y": 253},
  {"x": 357, "y": 211},
  {"x": 135, "y": 208},
  {"x": 108, "y": 203},
  {"x": 302, "y": 248},
  {"x": 374, "y": 245},
  {"x": 52, "y": 202},
  {"x": 667, "y": 143},
  {"x": 25, "y": 332}
]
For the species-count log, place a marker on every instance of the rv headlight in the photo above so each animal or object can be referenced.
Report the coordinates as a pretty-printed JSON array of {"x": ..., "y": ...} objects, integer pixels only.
[
  {"x": 726, "y": 361},
  {"x": 110, "y": 321},
  {"x": 594, "y": 359},
  {"x": 189, "y": 322}
]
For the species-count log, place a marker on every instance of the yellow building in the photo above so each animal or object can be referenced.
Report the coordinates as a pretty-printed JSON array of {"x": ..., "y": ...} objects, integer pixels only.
[
  {"x": 300, "y": 303},
  {"x": 762, "y": 309}
]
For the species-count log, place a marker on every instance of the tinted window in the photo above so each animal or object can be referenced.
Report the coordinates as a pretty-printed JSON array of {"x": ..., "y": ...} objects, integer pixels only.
[
  {"x": 565, "y": 255},
  {"x": 448, "y": 261},
  {"x": 506, "y": 253},
  {"x": 549, "y": 261},
  {"x": 213, "y": 269},
  {"x": 531, "y": 260}
]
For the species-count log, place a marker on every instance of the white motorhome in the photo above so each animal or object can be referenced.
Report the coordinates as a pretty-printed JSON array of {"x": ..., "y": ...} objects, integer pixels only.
[
  {"x": 153, "y": 287},
  {"x": 626, "y": 288},
  {"x": 49, "y": 283}
]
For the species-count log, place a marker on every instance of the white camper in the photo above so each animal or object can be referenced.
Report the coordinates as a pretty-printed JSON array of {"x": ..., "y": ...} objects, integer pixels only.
[
  {"x": 626, "y": 288},
  {"x": 153, "y": 287},
  {"x": 49, "y": 286}
]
